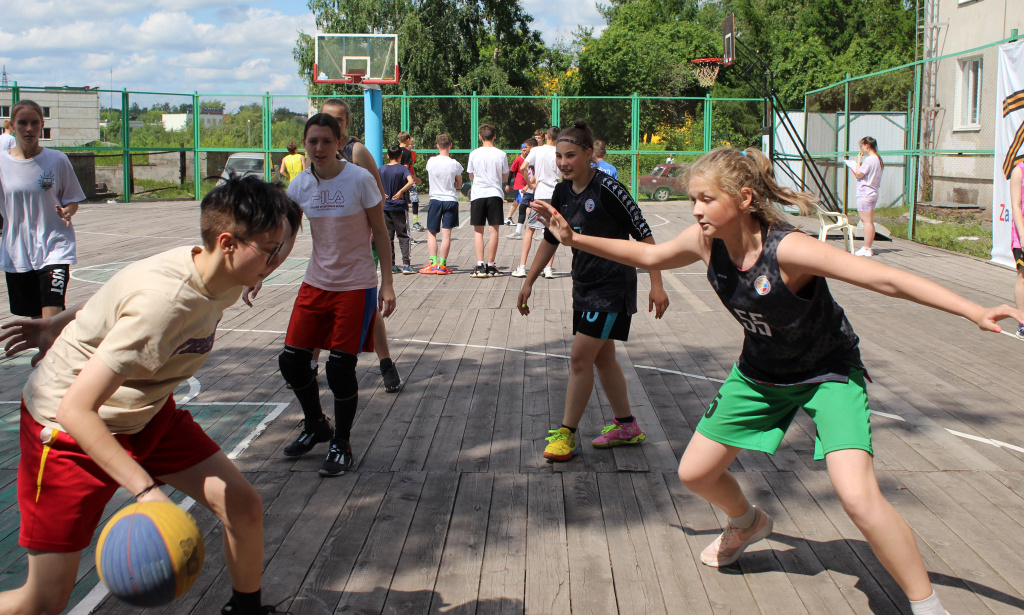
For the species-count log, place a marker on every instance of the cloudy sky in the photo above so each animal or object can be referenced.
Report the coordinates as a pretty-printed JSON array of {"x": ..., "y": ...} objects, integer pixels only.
[{"x": 214, "y": 46}]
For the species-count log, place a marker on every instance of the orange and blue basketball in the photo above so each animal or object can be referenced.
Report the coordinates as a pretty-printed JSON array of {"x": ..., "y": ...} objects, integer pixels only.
[{"x": 150, "y": 553}]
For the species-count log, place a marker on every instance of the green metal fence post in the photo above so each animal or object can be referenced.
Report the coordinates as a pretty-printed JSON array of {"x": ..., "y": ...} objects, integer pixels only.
[
  {"x": 556, "y": 111},
  {"x": 15, "y": 94},
  {"x": 846, "y": 133},
  {"x": 634, "y": 144},
  {"x": 708, "y": 109},
  {"x": 268, "y": 164},
  {"x": 404, "y": 115},
  {"x": 474, "y": 120},
  {"x": 911, "y": 226},
  {"x": 126, "y": 156},
  {"x": 196, "y": 172}
]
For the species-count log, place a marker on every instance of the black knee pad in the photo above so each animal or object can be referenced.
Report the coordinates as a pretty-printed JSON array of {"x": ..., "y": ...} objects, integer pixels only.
[
  {"x": 523, "y": 208},
  {"x": 294, "y": 363},
  {"x": 341, "y": 375}
]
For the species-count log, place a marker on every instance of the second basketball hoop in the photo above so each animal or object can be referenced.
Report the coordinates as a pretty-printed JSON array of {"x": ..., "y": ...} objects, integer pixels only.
[{"x": 706, "y": 70}]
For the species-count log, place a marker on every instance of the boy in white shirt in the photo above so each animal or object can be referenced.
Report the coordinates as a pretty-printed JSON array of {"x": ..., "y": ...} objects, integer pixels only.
[
  {"x": 545, "y": 176},
  {"x": 488, "y": 170},
  {"x": 445, "y": 176}
]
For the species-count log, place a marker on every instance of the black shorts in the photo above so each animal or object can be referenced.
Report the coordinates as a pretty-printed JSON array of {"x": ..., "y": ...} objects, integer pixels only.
[
  {"x": 487, "y": 211},
  {"x": 602, "y": 325},
  {"x": 31, "y": 291},
  {"x": 1018, "y": 258}
]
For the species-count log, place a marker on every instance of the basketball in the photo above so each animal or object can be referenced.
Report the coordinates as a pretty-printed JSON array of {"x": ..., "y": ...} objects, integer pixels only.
[{"x": 150, "y": 553}]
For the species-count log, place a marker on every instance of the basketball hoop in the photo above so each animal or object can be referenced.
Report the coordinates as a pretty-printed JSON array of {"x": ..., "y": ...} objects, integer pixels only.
[
  {"x": 706, "y": 70},
  {"x": 356, "y": 78}
]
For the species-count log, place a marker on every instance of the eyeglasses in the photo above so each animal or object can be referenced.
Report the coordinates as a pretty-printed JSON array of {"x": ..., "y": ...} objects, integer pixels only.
[{"x": 271, "y": 254}]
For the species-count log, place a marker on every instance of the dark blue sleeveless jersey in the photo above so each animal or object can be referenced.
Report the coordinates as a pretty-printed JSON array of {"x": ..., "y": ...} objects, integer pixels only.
[
  {"x": 788, "y": 338},
  {"x": 603, "y": 209}
]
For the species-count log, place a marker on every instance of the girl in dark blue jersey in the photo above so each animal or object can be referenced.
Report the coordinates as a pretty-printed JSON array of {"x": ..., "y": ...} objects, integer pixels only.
[
  {"x": 799, "y": 350},
  {"x": 603, "y": 292}
]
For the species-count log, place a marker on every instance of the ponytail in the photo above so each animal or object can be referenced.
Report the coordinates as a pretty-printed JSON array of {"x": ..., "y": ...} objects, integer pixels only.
[
  {"x": 578, "y": 134},
  {"x": 732, "y": 170},
  {"x": 871, "y": 143}
]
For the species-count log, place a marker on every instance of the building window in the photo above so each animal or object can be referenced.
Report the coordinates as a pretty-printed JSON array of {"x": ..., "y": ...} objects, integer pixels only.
[
  {"x": 46, "y": 134},
  {"x": 968, "y": 95},
  {"x": 46, "y": 113},
  {"x": 5, "y": 111}
]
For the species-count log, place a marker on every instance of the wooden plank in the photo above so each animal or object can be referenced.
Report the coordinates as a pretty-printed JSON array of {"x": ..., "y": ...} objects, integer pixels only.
[
  {"x": 547, "y": 563},
  {"x": 503, "y": 571},
  {"x": 458, "y": 576},
  {"x": 367, "y": 586},
  {"x": 327, "y": 577},
  {"x": 591, "y": 586}
]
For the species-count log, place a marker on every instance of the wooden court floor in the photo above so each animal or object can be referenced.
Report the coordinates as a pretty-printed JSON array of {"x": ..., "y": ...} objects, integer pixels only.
[{"x": 451, "y": 508}]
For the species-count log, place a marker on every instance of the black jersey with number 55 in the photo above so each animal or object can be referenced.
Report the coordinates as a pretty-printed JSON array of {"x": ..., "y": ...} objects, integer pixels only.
[{"x": 789, "y": 338}]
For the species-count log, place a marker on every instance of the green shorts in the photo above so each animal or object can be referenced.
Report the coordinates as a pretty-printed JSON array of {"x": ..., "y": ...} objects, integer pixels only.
[{"x": 755, "y": 416}]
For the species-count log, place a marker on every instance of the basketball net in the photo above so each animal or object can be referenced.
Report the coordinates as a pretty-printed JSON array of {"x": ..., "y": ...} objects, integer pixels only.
[{"x": 706, "y": 71}]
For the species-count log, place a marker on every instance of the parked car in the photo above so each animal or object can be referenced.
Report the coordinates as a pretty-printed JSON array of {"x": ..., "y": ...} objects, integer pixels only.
[
  {"x": 663, "y": 182},
  {"x": 244, "y": 163}
]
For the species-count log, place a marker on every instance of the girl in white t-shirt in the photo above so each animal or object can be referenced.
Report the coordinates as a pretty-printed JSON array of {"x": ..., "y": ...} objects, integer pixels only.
[
  {"x": 338, "y": 300},
  {"x": 869, "y": 177},
  {"x": 40, "y": 194}
]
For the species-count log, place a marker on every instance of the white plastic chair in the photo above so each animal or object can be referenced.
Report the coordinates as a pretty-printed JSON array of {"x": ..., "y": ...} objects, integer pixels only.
[{"x": 832, "y": 221}]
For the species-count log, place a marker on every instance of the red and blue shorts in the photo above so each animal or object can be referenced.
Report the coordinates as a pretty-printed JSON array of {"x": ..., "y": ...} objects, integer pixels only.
[
  {"x": 61, "y": 490},
  {"x": 333, "y": 320}
]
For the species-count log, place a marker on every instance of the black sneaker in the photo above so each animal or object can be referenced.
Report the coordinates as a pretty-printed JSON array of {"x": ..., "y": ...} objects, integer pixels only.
[
  {"x": 392, "y": 380},
  {"x": 493, "y": 272},
  {"x": 310, "y": 437},
  {"x": 339, "y": 460},
  {"x": 480, "y": 271}
]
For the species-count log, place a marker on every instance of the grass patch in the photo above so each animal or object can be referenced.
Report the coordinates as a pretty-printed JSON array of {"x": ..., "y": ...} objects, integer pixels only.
[
  {"x": 950, "y": 233},
  {"x": 157, "y": 189}
]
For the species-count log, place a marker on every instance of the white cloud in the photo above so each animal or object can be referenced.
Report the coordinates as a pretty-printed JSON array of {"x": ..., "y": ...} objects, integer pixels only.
[{"x": 558, "y": 22}]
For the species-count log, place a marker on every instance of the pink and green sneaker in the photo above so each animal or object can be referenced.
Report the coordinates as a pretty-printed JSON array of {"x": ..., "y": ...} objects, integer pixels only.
[{"x": 618, "y": 434}]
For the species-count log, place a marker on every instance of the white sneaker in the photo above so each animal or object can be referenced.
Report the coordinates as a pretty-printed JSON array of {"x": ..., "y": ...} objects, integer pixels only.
[
  {"x": 520, "y": 272},
  {"x": 864, "y": 252},
  {"x": 548, "y": 273}
]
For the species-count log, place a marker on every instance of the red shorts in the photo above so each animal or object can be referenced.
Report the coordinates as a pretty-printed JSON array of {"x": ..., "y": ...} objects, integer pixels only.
[
  {"x": 61, "y": 490},
  {"x": 333, "y": 320}
]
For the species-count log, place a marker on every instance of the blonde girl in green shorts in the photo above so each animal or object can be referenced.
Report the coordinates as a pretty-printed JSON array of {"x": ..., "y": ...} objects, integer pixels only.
[{"x": 799, "y": 350}]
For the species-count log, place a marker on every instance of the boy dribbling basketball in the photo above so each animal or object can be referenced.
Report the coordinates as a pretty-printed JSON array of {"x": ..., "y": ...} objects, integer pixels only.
[{"x": 97, "y": 413}]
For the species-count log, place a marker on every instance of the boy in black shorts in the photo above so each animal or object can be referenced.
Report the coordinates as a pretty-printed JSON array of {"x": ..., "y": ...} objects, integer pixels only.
[{"x": 488, "y": 170}]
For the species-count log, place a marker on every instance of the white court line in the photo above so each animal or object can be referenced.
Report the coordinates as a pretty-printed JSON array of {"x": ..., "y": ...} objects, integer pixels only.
[
  {"x": 662, "y": 224},
  {"x": 126, "y": 236},
  {"x": 96, "y": 595}
]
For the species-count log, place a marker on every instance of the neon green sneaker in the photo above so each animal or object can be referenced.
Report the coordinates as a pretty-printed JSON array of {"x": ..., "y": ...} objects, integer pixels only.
[{"x": 561, "y": 445}]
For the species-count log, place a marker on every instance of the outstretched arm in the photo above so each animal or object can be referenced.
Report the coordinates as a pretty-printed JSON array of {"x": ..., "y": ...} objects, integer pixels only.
[
  {"x": 800, "y": 255},
  {"x": 689, "y": 247}
]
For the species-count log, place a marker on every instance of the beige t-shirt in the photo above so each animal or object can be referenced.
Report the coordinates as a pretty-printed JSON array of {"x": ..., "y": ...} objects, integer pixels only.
[{"x": 154, "y": 323}]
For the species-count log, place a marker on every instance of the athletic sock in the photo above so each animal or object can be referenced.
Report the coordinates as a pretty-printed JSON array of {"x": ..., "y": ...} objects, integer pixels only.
[
  {"x": 442, "y": 261},
  {"x": 245, "y": 604},
  {"x": 628, "y": 419},
  {"x": 491, "y": 265},
  {"x": 928, "y": 606},
  {"x": 415, "y": 219},
  {"x": 745, "y": 520},
  {"x": 519, "y": 227},
  {"x": 344, "y": 415},
  {"x": 571, "y": 429},
  {"x": 479, "y": 263},
  {"x": 433, "y": 260},
  {"x": 309, "y": 401}
]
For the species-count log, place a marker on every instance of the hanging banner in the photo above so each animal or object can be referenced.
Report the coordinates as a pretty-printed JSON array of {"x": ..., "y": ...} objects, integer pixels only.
[{"x": 1009, "y": 146}]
